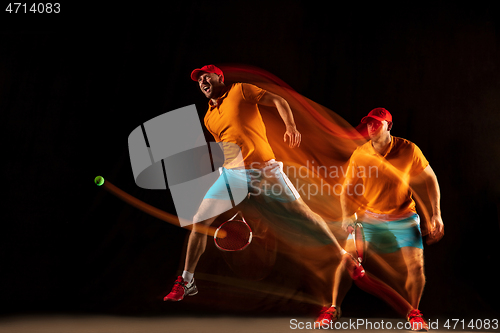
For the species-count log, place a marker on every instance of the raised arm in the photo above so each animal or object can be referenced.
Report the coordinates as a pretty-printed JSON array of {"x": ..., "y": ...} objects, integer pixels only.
[{"x": 291, "y": 134}]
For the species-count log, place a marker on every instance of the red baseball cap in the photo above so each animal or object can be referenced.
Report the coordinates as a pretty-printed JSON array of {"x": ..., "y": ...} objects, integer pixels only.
[
  {"x": 379, "y": 114},
  {"x": 206, "y": 69}
]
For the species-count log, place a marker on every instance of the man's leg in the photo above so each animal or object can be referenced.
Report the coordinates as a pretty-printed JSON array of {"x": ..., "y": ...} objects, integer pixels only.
[
  {"x": 197, "y": 243},
  {"x": 329, "y": 313},
  {"x": 208, "y": 211},
  {"x": 407, "y": 236},
  {"x": 342, "y": 281},
  {"x": 388, "y": 267},
  {"x": 415, "y": 282},
  {"x": 341, "y": 284},
  {"x": 232, "y": 182}
]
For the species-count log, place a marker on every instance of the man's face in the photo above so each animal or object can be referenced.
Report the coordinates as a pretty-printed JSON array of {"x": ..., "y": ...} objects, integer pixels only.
[
  {"x": 210, "y": 84},
  {"x": 376, "y": 128}
]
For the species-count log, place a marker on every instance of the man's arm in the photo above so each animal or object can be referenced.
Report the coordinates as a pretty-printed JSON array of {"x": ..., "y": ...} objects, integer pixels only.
[
  {"x": 434, "y": 193},
  {"x": 347, "y": 218},
  {"x": 346, "y": 203},
  {"x": 292, "y": 134}
]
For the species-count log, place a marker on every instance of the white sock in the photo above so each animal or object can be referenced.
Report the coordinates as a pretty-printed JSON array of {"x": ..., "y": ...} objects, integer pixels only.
[{"x": 188, "y": 277}]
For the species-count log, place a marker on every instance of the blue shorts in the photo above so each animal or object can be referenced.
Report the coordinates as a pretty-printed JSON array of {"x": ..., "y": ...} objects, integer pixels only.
[
  {"x": 389, "y": 236},
  {"x": 270, "y": 182}
]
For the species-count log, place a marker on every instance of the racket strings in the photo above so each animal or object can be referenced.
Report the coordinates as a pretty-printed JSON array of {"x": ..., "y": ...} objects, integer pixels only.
[{"x": 238, "y": 235}]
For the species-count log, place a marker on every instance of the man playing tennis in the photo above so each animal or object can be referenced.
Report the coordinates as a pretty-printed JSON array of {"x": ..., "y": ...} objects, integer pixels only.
[
  {"x": 385, "y": 166},
  {"x": 234, "y": 119}
]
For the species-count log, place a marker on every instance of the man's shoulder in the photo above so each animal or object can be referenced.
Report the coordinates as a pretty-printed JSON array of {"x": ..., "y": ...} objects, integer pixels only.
[
  {"x": 234, "y": 86},
  {"x": 401, "y": 143},
  {"x": 240, "y": 85},
  {"x": 398, "y": 144},
  {"x": 364, "y": 147},
  {"x": 237, "y": 88},
  {"x": 233, "y": 90}
]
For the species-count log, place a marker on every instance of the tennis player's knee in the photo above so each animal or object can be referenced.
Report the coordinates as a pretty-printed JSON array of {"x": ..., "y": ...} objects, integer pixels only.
[{"x": 416, "y": 269}]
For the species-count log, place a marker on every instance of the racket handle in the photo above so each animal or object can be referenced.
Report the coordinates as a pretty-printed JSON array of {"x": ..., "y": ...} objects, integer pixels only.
[
  {"x": 353, "y": 267},
  {"x": 350, "y": 228}
]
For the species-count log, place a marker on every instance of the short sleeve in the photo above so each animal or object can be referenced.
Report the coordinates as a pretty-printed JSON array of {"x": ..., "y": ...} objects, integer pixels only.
[
  {"x": 419, "y": 162},
  {"x": 251, "y": 93}
]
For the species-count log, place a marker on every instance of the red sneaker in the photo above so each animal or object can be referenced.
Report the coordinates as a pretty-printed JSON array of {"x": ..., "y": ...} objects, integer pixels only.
[
  {"x": 417, "y": 321},
  {"x": 327, "y": 315},
  {"x": 181, "y": 288}
]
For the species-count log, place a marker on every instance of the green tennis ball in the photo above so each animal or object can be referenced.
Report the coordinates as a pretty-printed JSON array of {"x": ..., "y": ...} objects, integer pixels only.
[{"x": 99, "y": 180}]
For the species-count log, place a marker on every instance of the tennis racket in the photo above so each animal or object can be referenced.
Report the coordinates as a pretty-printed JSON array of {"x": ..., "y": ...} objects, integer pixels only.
[
  {"x": 358, "y": 236},
  {"x": 356, "y": 230},
  {"x": 238, "y": 234}
]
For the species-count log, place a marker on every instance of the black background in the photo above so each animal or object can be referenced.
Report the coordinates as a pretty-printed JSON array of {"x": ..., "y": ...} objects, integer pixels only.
[{"x": 74, "y": 85}]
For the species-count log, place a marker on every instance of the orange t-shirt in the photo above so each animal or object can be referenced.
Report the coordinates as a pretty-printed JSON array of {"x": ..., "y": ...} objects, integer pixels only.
[
  {"x": 237, "y": 120},
  {"x": 382, "y": 182}
]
